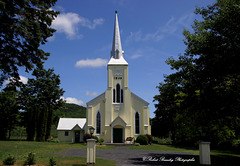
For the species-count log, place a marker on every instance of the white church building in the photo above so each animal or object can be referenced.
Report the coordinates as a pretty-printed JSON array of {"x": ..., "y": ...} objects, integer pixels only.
[{"x": 117, "y": 113}]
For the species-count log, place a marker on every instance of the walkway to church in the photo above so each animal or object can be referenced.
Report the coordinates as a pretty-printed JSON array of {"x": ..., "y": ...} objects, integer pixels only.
[{"x": 124, "y": 156}]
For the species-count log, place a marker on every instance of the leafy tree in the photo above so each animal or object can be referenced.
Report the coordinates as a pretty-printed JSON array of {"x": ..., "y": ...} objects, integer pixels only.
[
  {"x": 207, "y": 78},
  {"x": 9, "y": 107},
  {"x": 40, "y": 97},
  {"x": 25, "y": 24}
]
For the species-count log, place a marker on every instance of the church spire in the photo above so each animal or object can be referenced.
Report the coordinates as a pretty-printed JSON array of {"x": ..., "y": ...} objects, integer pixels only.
[{"x": 116, "y": 52}]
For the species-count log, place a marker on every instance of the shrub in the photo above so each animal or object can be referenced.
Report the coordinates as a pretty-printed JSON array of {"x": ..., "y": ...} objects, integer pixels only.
[
  {"x": 10, "y": 160},
  {"x": 236, "y": 145},
  {"x": 150, "y": 139},
  {"x": 53, "y": 140},
  {"x": 52, "y": 162},
  {"x": 30, "y": 159},
  {"x": 142, "y": 140},
  {"x": 95, "y": 137},
  {"x": 101, "y": 140},
  {"x": 86, "y": 136},
  {"x": 162, "y": 141},
  {"x": 136, "y": 144}
]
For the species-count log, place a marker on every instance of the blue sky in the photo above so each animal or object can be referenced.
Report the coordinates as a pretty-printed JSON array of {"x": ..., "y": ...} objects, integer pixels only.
[{"x": 151, "y": 32}]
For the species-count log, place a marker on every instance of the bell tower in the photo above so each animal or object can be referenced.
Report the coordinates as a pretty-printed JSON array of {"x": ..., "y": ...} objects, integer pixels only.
[{"x": 117, "y": 65}]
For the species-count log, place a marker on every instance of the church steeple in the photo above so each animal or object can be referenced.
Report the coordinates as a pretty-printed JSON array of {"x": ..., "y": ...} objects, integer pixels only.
[{"x": 116, "y": 52}]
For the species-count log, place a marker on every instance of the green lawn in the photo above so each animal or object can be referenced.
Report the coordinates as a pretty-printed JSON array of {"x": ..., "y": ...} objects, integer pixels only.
[
  {"x": 218, "y": 157},
  {"x": 42, "y": 150}
]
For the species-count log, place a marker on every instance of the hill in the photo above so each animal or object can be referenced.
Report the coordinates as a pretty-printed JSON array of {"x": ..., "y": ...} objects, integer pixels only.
[
  {"x": 73, "y": 111},
  {"x": 69, "y": 111}
]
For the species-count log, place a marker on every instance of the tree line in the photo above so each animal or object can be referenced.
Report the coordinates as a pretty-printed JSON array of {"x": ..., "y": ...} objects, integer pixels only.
[
  {"x": 200, "y": 100},
  {"x": 31, "y": 105},
  {"x": 25, "y": 26}
]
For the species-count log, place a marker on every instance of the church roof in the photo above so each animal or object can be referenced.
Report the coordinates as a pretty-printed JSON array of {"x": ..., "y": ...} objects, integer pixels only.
[
  {"x": 117, "y": 52},
  {"x": 96, "y": 99},
  {"x": 120, "y": 61},
  {"x": 118, "y": 118},
  {"x": 71, "y": 123},
  {"x": 139, "y": 99}
]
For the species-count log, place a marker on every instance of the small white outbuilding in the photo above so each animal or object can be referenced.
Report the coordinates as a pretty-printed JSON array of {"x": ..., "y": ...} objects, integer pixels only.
[{"x": 71, "y": 129}]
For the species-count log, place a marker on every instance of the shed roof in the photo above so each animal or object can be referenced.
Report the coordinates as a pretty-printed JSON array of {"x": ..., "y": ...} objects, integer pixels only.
[{"x": 70, "y": 123}]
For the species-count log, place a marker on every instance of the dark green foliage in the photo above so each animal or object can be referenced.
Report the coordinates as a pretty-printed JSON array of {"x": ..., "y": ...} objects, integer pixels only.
[
  {"x": 236, "y": 145},
  {"x": 39, "y": 98},
  {"x": 25, "y": 25},
  {"x": 162, "y": 141},
  {"x": 201, "y": 100},
  {"x": 30, "y": 159},
  {"x": 142, "y": 140},
  {"x": 150, "y": 139},
  {"x": 101, "y": 140},
  {"x": 52, "y": 162},
  {"x": 69, "y": 111},
  {"x": 137, "y": 144},
  {"x": 55, "y": 140},
  {"x": 9, "y": 114},
  {"x": 86, "y": 136},
  {"x": 10, "y": 160},
  {"x": 95, "y": 137}
]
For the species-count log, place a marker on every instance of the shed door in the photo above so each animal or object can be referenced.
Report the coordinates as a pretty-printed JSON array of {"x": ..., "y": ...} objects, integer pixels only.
[{"x": 77, "y": 136}]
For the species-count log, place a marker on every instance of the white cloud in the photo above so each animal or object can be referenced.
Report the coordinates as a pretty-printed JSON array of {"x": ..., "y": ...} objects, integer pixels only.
[
  {"x": 136, "y": 56},
  {"x": 93, "y": 94},
  {"x": 22, "y": 79},
  {"x": 68, "y": 23},
  {"x": 98, "y": 62},
  {"x": 139, "y": 36},
  {"x": 74, "y": 101},
  {"x": 172, "y": 26}
]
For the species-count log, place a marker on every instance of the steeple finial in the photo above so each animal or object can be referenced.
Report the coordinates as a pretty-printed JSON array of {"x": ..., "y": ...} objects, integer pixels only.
[{"x": 116, "y": 52}]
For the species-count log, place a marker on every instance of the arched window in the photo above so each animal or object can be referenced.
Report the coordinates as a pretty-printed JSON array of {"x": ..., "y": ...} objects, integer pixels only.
[
  {"x": 137, "y": 123},
  {"x": 98, "y": 123},
  {"x": 118, "y": 93}
]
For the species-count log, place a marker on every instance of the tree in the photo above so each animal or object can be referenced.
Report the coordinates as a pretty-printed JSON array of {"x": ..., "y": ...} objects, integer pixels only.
[
  {"x": 40, "y": 97},
  {"x": 9, "y": 107},
  {"x": 25, "y": 24},
  {"x": 207, "y": 78}
]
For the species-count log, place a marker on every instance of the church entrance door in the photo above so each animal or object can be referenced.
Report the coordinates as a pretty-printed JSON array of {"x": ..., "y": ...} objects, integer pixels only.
[{"x": 117, "y": 135}]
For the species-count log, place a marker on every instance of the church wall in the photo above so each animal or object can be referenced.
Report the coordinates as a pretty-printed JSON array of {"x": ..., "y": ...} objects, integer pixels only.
[
  {"x": 127, "y": 107},
  {"x": 138, "y": 106},
  {"x": 100, "y": 106},
  {"x": 147, "y": 124},
  {"x": 107, "y": 134},
  {"x": 89, "y": 121},
  {"x": 108, "y": 106}
]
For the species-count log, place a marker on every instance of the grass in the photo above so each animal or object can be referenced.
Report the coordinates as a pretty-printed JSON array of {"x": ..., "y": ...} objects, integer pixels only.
[
  {"x": 43, "y": 150},
  {"x": 218, "y": 157}
]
